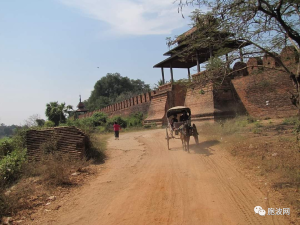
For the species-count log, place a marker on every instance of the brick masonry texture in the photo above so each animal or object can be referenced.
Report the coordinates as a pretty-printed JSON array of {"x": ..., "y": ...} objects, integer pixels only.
[
  {"x": 259, "y": 92},
  {"x": 69, "y": 141},
  {"x": 265, "y": 95},
  {"x": 137, "y": 104},
  {"x": 166, "y": 97},
  {"x": 265, "y": 92},
  {"x": 153, "y": 104},
  {"x": 200, "y": 100}
]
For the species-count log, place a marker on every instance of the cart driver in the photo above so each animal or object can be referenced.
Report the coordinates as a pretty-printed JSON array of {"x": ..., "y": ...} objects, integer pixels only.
[
  {"x": 184, "y": 117},
  {"x": 174, "y": 119}
]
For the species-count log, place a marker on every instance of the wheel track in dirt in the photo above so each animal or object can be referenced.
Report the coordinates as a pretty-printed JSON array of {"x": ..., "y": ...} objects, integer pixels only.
[{"x": 143, "y": 183}]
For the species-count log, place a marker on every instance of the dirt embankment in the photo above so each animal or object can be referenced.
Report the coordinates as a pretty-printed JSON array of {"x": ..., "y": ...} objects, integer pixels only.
[{"x": 144, "y": 183}]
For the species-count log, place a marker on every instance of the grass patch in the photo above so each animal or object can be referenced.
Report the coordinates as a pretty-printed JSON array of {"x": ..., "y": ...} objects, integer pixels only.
[
  {"x": 290, "y": 121},
  {"x": 269, "y": 149},
  {"x": 226, "y": 127},
  {"x": 257, "y": 130}
]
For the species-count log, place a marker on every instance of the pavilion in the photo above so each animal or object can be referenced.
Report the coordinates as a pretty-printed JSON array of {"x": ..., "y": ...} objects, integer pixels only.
[
  {"x": 197, "y": 56},
  {"x": 81, "y": 108}
]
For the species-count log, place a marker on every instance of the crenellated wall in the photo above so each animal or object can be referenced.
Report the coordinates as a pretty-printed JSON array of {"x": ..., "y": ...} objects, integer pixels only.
[
  {"x": 153, "y": 104},
  {"x": 265, "y": 92},
  {"x": 135, "y": 104},
  {"x": 260, "y": 92}
]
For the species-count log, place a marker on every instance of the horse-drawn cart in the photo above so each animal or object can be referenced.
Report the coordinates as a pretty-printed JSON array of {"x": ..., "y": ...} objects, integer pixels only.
[{"x": 180, "y": 128}]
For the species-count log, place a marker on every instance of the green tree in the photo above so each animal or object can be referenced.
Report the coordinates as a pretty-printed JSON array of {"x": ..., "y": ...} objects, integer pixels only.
[
  {"x": 57, "y": 112},
  {"x": 6, "y": 131},
  {"x": 268, "y": 25},
  {"x": 113, "y": 87}
]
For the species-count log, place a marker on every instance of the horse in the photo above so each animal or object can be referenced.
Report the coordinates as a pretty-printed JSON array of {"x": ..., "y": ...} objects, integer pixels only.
[{"x": 185, "y": 134}]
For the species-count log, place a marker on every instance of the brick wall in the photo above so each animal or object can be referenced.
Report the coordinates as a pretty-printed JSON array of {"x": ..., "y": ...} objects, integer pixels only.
[
  {"x": 158, "y": 107},
  {"x": 136, "y": 104},
  {"x": 260, "y": 92},
  {"x": 166, "y": 97},
  {"x": 200, "y": 100},
  {"x": 69, "y": 140},
  {"x": 226, "y": 103},
  {"x": 264, "y": 92}
]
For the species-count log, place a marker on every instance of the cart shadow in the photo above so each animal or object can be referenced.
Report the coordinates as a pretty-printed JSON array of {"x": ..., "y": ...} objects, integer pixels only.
[
  {"x": 204, "y": 148},
  {"x": 174, "y": 149}
]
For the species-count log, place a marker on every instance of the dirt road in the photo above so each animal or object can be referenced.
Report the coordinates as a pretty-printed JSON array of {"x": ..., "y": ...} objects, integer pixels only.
[{"x": 144, "y": 183}]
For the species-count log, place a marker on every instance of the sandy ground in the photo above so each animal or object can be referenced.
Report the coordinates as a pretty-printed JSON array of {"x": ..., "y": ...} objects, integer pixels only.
[{"x": 144, "y": 183}]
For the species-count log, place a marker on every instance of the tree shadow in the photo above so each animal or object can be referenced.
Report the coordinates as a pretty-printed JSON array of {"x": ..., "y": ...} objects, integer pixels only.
[{"x": 204, "y": 148}]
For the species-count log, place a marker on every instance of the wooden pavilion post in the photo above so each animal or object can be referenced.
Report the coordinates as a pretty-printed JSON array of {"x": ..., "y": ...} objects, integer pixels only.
[
  {"x": 163, "y": 75},
  {"x": 171, "y": 70},
  {"x": 189, "y": 74},
  {"x": 198, "y": 64}
]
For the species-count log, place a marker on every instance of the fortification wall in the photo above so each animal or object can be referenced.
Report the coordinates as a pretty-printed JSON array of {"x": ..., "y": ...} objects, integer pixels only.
[
  {"x": 200, "y": 99},
  {"x": 136, "y": 104},
  {"x": 69, "y": 141},
  {"x": 166, "y": 97},
  {"x": 259, "y": 92},
  {"x": 265, "y": 92}
]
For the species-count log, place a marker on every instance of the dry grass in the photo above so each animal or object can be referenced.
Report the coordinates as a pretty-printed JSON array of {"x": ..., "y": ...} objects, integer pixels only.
[
  {"x": 41, "y": 179},
  {"x": 269, "y": 148},
  {"x": 54, "y": 169}
]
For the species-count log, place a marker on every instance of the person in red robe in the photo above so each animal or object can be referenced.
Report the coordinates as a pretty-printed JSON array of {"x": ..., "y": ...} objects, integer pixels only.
[{"x": 117, "y": 128}]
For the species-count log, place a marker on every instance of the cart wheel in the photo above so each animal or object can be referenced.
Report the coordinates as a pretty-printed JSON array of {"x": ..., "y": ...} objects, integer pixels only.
[
  {"x": 195, "y": 134},
  {"x": 168, "y": 138}
]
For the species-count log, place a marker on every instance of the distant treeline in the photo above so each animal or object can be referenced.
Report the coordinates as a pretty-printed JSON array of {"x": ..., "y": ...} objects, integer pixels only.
[{"x": 7, "y": 131}]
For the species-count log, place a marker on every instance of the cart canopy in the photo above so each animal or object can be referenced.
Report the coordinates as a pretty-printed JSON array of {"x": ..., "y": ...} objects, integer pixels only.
[{"x": 177, "y": 110}]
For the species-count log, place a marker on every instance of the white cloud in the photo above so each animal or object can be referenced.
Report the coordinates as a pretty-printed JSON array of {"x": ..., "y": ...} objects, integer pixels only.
[{"x": 133, "y": 17}]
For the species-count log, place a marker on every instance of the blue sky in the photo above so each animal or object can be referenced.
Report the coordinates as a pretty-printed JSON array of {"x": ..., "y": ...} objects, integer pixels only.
[{"x": 50, "y": 50}]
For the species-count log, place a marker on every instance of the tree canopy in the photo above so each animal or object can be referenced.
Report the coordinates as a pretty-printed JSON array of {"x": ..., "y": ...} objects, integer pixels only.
[
  {"x": 114, "y": 88},
  {"x": 57, "y": 112},
  {"x": 268, "y": 25},
  {"x": 6, "y": 131}
]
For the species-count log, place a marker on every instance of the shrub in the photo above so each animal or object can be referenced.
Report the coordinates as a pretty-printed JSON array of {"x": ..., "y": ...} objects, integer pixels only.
[
  {"x": 10, "y": 166},
  {"x": 135, "y": 120},
  {"x": 19, "y": 139},
  {"x": 49, "y": 124},
  {"x": 99, "y": 118},
  {"x": 3, "y": 203},
  {"x": 6, "y": 147},
  {"x": 290, "y": 121},
  {"x": 85, "y": 124},
  {"x": 121, "y": 121},
  {"x": 55, "y": 169}
]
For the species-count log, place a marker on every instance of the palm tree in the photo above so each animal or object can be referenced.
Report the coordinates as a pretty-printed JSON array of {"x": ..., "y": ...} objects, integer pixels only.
[
  {"x": 56, "y": 112},
  {"x": 159, "y": 83}
]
